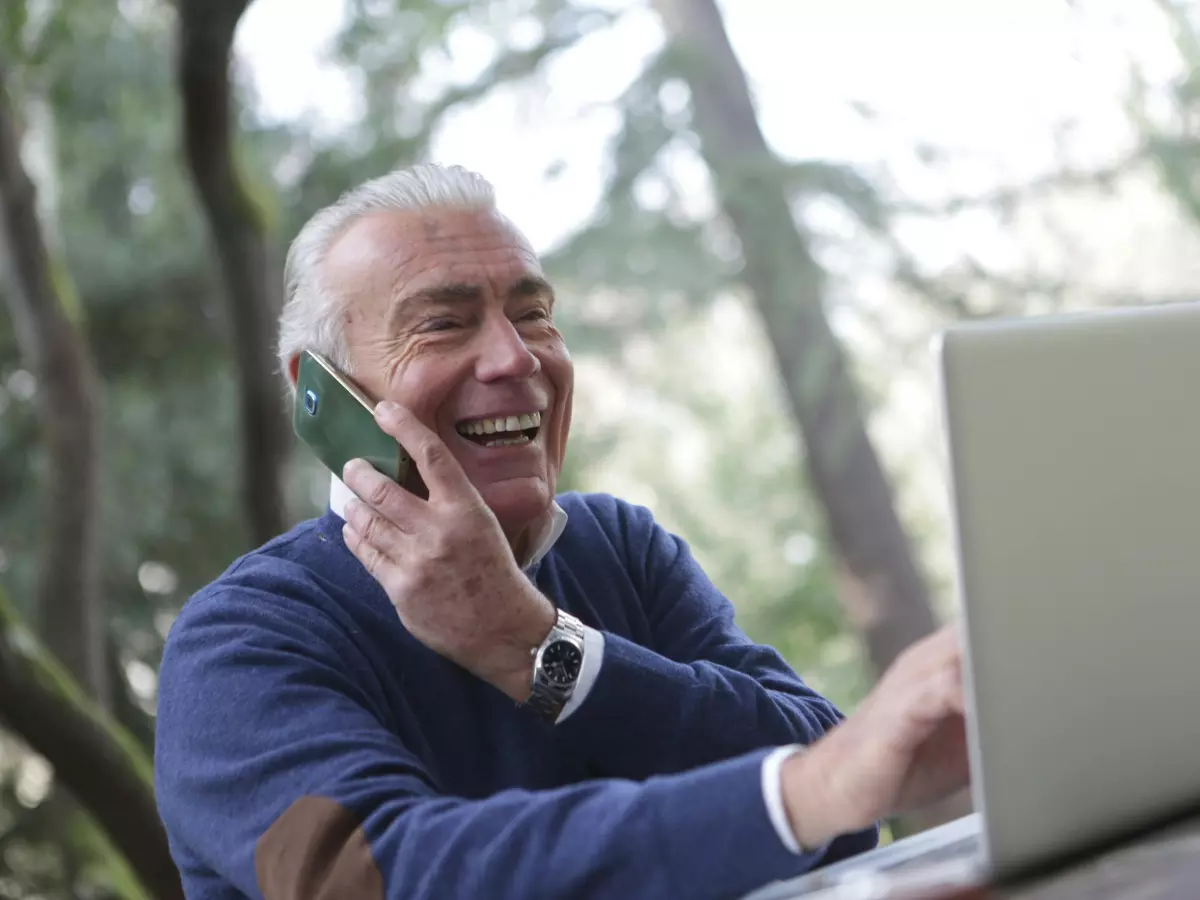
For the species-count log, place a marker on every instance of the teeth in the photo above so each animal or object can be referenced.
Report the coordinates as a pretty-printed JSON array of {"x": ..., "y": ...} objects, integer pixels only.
[{"x": 501, "y": 425}]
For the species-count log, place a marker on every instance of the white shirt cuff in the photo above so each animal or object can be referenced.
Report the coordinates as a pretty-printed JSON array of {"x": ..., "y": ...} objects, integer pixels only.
[
  {"x": 593, "y": 656},
  {"x": 772, "y": 788}
]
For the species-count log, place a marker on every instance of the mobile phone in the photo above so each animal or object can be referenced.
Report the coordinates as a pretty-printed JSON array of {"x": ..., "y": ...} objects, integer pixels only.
[{"x": 336, "y": 420}]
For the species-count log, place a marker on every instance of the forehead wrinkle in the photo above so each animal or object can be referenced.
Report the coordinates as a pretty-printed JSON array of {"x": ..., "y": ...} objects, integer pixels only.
[
  {"x": 382, "y": 259},
  {"x": 366, "y": 261}
]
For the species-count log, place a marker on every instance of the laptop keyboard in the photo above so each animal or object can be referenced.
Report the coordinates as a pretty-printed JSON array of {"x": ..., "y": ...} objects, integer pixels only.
[{"x": 957, "y": 840}]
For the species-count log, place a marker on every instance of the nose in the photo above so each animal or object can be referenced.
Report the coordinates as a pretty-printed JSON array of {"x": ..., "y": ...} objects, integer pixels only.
[{"x": 503, "y": 353}]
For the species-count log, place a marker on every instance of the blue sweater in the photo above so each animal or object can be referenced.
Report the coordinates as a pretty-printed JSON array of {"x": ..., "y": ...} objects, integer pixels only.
[{"x": 309, "y": 747}]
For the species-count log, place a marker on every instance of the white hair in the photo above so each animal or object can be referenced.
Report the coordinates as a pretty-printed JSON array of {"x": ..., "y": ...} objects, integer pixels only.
[{"x": 312, "y": 314}]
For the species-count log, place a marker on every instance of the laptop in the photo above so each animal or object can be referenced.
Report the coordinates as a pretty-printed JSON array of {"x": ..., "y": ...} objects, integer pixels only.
[{"x": 1074, "y": 466}]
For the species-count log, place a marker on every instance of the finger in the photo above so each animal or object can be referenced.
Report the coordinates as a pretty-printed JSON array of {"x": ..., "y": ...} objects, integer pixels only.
[
  {"x": 438, "y": 468},
  {"x": 373, "y": 559},
  {"x": 944, "y": 643},
  {"x": 937, "y": 650},
  {"x": 381, "y": 493},
  {"x": 940, "y": 696},
  {"x": 374, "y": 529},
  {"x": 955, "y": 696}
]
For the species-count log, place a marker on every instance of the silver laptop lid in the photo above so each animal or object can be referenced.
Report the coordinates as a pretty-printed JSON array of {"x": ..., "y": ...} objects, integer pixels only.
[{"x": 1074, "y": 450}]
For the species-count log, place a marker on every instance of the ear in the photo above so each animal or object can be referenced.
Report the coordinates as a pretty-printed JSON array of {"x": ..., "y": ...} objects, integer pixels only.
[{"x": 293, "y": 369}]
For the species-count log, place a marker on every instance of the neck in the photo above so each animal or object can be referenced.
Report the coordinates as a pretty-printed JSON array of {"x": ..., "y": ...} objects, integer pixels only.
[{"x": 523, "y": 539}]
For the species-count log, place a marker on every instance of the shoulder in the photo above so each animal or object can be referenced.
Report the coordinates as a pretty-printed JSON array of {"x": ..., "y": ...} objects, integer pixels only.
[
  {"x": 259, "y": 665},
  {"x": 290, "y": 561},
  {"x": 599, "y": 513},
  {"x": 274, "y": 623},
  {"x": 277, "y": 567},
  {"x": 601, "y": 525},
  {"x": 306, "y": 563},
  {"x": 282, "y": 591}
]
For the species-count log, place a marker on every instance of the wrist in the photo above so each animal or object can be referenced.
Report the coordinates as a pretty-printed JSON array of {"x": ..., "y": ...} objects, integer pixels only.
[
  {"x": 511, "y": 668},
  {"x": 558, "y": 665},
  {"x": 810, "y": 814}
]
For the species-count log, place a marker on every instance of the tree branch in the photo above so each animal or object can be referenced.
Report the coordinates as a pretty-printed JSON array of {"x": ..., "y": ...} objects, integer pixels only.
[
  {"x": 1047, "y": 185},
  {"x": 101, "y": 765},
  {"x": 885, "y": 593},
  {"x": 206, "y": 29},
  {"x": 69, "y": 605},
  {"x": 508, "y": 67}
]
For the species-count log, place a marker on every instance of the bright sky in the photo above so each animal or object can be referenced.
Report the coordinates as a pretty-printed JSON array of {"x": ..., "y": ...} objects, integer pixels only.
[{"x": 989, "y": 77}]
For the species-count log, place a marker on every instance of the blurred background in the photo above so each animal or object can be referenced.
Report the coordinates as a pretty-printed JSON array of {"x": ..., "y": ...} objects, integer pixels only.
[{"x": 756, "y": 215}]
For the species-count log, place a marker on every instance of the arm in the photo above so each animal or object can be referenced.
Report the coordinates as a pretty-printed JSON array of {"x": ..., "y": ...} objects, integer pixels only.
[
  {"x": 277, "y": 769},
  {"x": 702, "y": 690},
  {"x": 705, "y": 691}
]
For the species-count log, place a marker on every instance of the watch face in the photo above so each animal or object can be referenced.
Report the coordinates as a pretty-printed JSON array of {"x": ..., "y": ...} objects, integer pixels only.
[{"x": 561, "y": 662}]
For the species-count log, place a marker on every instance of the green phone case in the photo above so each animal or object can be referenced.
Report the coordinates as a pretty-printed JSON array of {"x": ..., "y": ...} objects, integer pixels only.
[{"x": 333, "y": 417}]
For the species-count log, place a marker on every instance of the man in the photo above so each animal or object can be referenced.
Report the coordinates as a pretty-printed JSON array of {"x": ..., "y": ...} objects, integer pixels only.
[{"x": 473, "y": 687}]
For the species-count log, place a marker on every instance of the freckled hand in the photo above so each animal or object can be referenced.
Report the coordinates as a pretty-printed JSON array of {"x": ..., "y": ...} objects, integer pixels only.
[{"x": 445, "y": 563}]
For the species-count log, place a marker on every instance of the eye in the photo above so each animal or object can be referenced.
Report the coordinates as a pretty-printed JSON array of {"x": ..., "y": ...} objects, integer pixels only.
[
  {"x": 441, "y": 324},
  {"x": 538, "y": 314}
]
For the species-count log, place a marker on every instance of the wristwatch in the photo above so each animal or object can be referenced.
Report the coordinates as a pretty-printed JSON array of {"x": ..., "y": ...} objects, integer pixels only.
[{"x": 557, "y": 662}]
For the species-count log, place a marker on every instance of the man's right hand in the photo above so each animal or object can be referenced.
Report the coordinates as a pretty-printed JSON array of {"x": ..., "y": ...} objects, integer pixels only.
[{"x": 904, "y": 747}]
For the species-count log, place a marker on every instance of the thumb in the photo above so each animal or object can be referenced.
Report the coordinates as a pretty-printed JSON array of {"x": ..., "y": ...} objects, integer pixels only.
[{"x": 443, "y": 476}]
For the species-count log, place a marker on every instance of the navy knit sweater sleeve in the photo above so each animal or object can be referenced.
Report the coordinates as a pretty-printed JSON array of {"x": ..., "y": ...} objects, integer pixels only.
[
  {"x": 693, "y": 686},
  {"x": 308, "y": 747}
]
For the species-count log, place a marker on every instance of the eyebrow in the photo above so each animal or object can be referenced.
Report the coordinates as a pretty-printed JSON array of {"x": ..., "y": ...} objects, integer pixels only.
[
  {"x": 531, "y": 286},
  {"x": 462, "y": 293}
]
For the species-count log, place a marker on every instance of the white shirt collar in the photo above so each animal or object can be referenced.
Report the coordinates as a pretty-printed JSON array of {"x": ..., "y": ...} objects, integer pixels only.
[{"x": 340, "y": 495}]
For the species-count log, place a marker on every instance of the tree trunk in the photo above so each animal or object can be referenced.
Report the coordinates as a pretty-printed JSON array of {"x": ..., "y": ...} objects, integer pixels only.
[
  {"x": 102, "y": 767},
  {"x": 206, "y": 29},
  {"x": 884, "y": 591},
  {"x": 70, "y": 613},
  {"x": 38, "y": 701}
]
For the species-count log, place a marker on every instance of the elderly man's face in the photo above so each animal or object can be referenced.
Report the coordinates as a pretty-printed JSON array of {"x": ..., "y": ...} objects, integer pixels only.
[{"x": 448, "y": 313}]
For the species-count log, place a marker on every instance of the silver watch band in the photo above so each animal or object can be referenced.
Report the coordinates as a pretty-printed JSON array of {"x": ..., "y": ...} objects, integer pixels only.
[{"x": 547, "y": 697}]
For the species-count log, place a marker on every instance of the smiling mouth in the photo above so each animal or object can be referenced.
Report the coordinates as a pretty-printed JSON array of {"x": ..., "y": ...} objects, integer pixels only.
[{"x": 501, "y": 431}]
